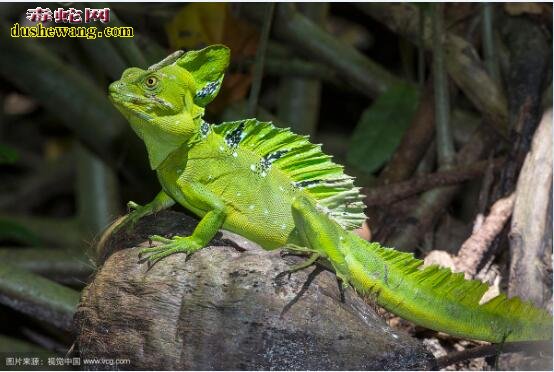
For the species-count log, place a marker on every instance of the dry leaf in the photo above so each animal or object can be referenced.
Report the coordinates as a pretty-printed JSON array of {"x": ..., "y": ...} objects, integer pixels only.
[{"x": 197, "y": 25}]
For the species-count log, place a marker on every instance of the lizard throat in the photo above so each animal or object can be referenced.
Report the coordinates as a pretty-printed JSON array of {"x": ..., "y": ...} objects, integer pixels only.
[{"x": 160, "y": 144}]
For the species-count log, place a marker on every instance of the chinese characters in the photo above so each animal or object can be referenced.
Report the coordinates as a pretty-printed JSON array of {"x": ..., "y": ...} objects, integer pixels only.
[{"x": 70, "y": 15}]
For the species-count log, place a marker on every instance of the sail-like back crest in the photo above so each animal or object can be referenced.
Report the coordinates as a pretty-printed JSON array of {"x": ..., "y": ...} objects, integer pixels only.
[{"x": 305, "y": 163}]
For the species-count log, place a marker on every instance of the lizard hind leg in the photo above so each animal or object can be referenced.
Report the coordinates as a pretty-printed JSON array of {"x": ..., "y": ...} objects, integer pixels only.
[
  {"x": 311, "y": 260},
  {"x": 318, "y": 233}
]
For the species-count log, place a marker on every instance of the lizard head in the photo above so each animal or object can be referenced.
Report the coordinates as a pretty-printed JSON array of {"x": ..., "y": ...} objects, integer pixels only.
[{"x": 164, "y": 103}]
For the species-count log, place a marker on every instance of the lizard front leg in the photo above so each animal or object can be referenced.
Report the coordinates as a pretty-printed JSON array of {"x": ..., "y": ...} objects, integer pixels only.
[{"x": 203, "y": 200}]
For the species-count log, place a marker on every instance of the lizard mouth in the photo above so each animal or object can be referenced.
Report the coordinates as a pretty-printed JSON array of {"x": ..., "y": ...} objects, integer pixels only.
[
  {"x": 119, "y": 95},
  {"x": 127, "y": 98},
  {"x": 126, "y": 103}
]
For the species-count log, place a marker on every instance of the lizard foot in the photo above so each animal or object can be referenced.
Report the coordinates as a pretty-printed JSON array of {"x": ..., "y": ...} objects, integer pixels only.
[
  {"x": 177, "y": 244},
  {"x": 296, "y": 250},
  {"x": 342, "y": 280}
]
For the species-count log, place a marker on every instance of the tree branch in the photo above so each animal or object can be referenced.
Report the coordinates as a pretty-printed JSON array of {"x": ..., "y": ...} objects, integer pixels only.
[
  {"x": 529, "y": 236},
  {"x": 462, "y": 61},
  {"x": 391, "y": 193},
  {"x": 433, "y": 203},
  {"x": 445, "y": 141},
  {"x": 415, "y": 141},
  {"x": 57, "y": 264},
  {"x": 475, "y": 247},
  {"x": 360, "y": 72},
  {"x": 534, "y": 347},
  {"x": 528, "y": 67}
]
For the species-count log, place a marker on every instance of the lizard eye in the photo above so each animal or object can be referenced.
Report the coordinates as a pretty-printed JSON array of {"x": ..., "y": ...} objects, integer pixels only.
[{"x": 151, "y": 81}]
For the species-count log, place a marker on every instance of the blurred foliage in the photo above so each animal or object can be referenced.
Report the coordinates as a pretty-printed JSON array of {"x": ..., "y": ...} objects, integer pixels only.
[
  {"x": 8, "y": 155},
  {"x": 16, "y": 233},
  {"x": 381, "y": 127}
]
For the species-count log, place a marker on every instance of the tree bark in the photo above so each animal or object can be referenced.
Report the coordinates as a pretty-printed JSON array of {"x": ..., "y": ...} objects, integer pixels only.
[{"x": 531, "y": 232}]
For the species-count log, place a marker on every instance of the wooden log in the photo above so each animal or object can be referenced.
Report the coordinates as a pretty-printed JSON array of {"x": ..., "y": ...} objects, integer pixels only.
[{"x": 223, "y": 309}]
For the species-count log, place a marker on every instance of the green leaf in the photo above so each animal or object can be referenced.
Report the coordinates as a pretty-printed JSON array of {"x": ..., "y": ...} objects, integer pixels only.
[
  {"x": 8, "y": 155},
  {"x": 381, "y": 127},
  {"x": 15, "y": 232}
]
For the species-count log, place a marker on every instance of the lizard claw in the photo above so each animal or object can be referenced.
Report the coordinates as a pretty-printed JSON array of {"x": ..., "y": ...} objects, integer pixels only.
[
  {"x": 343, "y": 280},
  {"x": 159, "y": 238},
  {"x": 136, "y": 212},
  {"x": 131, "y": 206},
  {"x": 285, "y": 253}
]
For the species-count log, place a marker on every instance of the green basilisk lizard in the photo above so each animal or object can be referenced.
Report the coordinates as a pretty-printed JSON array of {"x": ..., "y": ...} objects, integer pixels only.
[{"x": 279, "y": 190}]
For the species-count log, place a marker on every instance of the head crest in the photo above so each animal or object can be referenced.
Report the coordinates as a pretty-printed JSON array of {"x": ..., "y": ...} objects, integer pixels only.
[
  {"x": 167, "y": 60},
  {"x": 207, "y": 67}
]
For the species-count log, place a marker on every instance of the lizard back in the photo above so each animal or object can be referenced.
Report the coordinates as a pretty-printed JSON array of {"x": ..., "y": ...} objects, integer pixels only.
[
  {"x": 306, "y": 166},
  {"x": 258, "y": 170}
]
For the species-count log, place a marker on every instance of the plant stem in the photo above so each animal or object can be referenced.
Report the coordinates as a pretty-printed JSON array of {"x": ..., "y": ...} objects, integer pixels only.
[
  {"x": 260, "y": 59},
  {"x": 393, "y": 192},
  {"x": 299, "y": 68},
  {"x": 35, "y": 69},
  {"x": 433, "y": 203},
  {"x": 52, "y": 263},
  {"x": 97, "y": 195},
  {"x": 445, "y": 142},
  {"x": 488, "y": 41},
  {"x": 101, "y": 50},
  {"x": 37, "y": 297},
  {"x": 48, "y": 230},
  {"x": 531, "y": 230},
  {"x": 421, "y": 50},
  {"x": 360, "y": 72},
  {"x": 494, "y": 349},
  {"x": 299, "y": 98},
  {"x": 462, "y": 61},
  {"x": 127, "y": 46},
  {"x": 415, "y": 141},
  {"x": 13, "y": 345}
]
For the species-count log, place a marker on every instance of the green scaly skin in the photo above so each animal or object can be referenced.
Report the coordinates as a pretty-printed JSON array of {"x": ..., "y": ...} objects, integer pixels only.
[{"x": 279, "y": 190}]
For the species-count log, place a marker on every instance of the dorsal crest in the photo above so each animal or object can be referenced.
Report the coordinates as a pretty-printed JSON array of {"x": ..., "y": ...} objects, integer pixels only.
[{"x": 307, "y": 166}]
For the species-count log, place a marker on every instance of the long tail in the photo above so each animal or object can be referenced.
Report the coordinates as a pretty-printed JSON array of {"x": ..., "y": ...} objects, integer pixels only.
[
  {"x": 436, "y": 298},
  {"x": 433, "y": 297}
]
